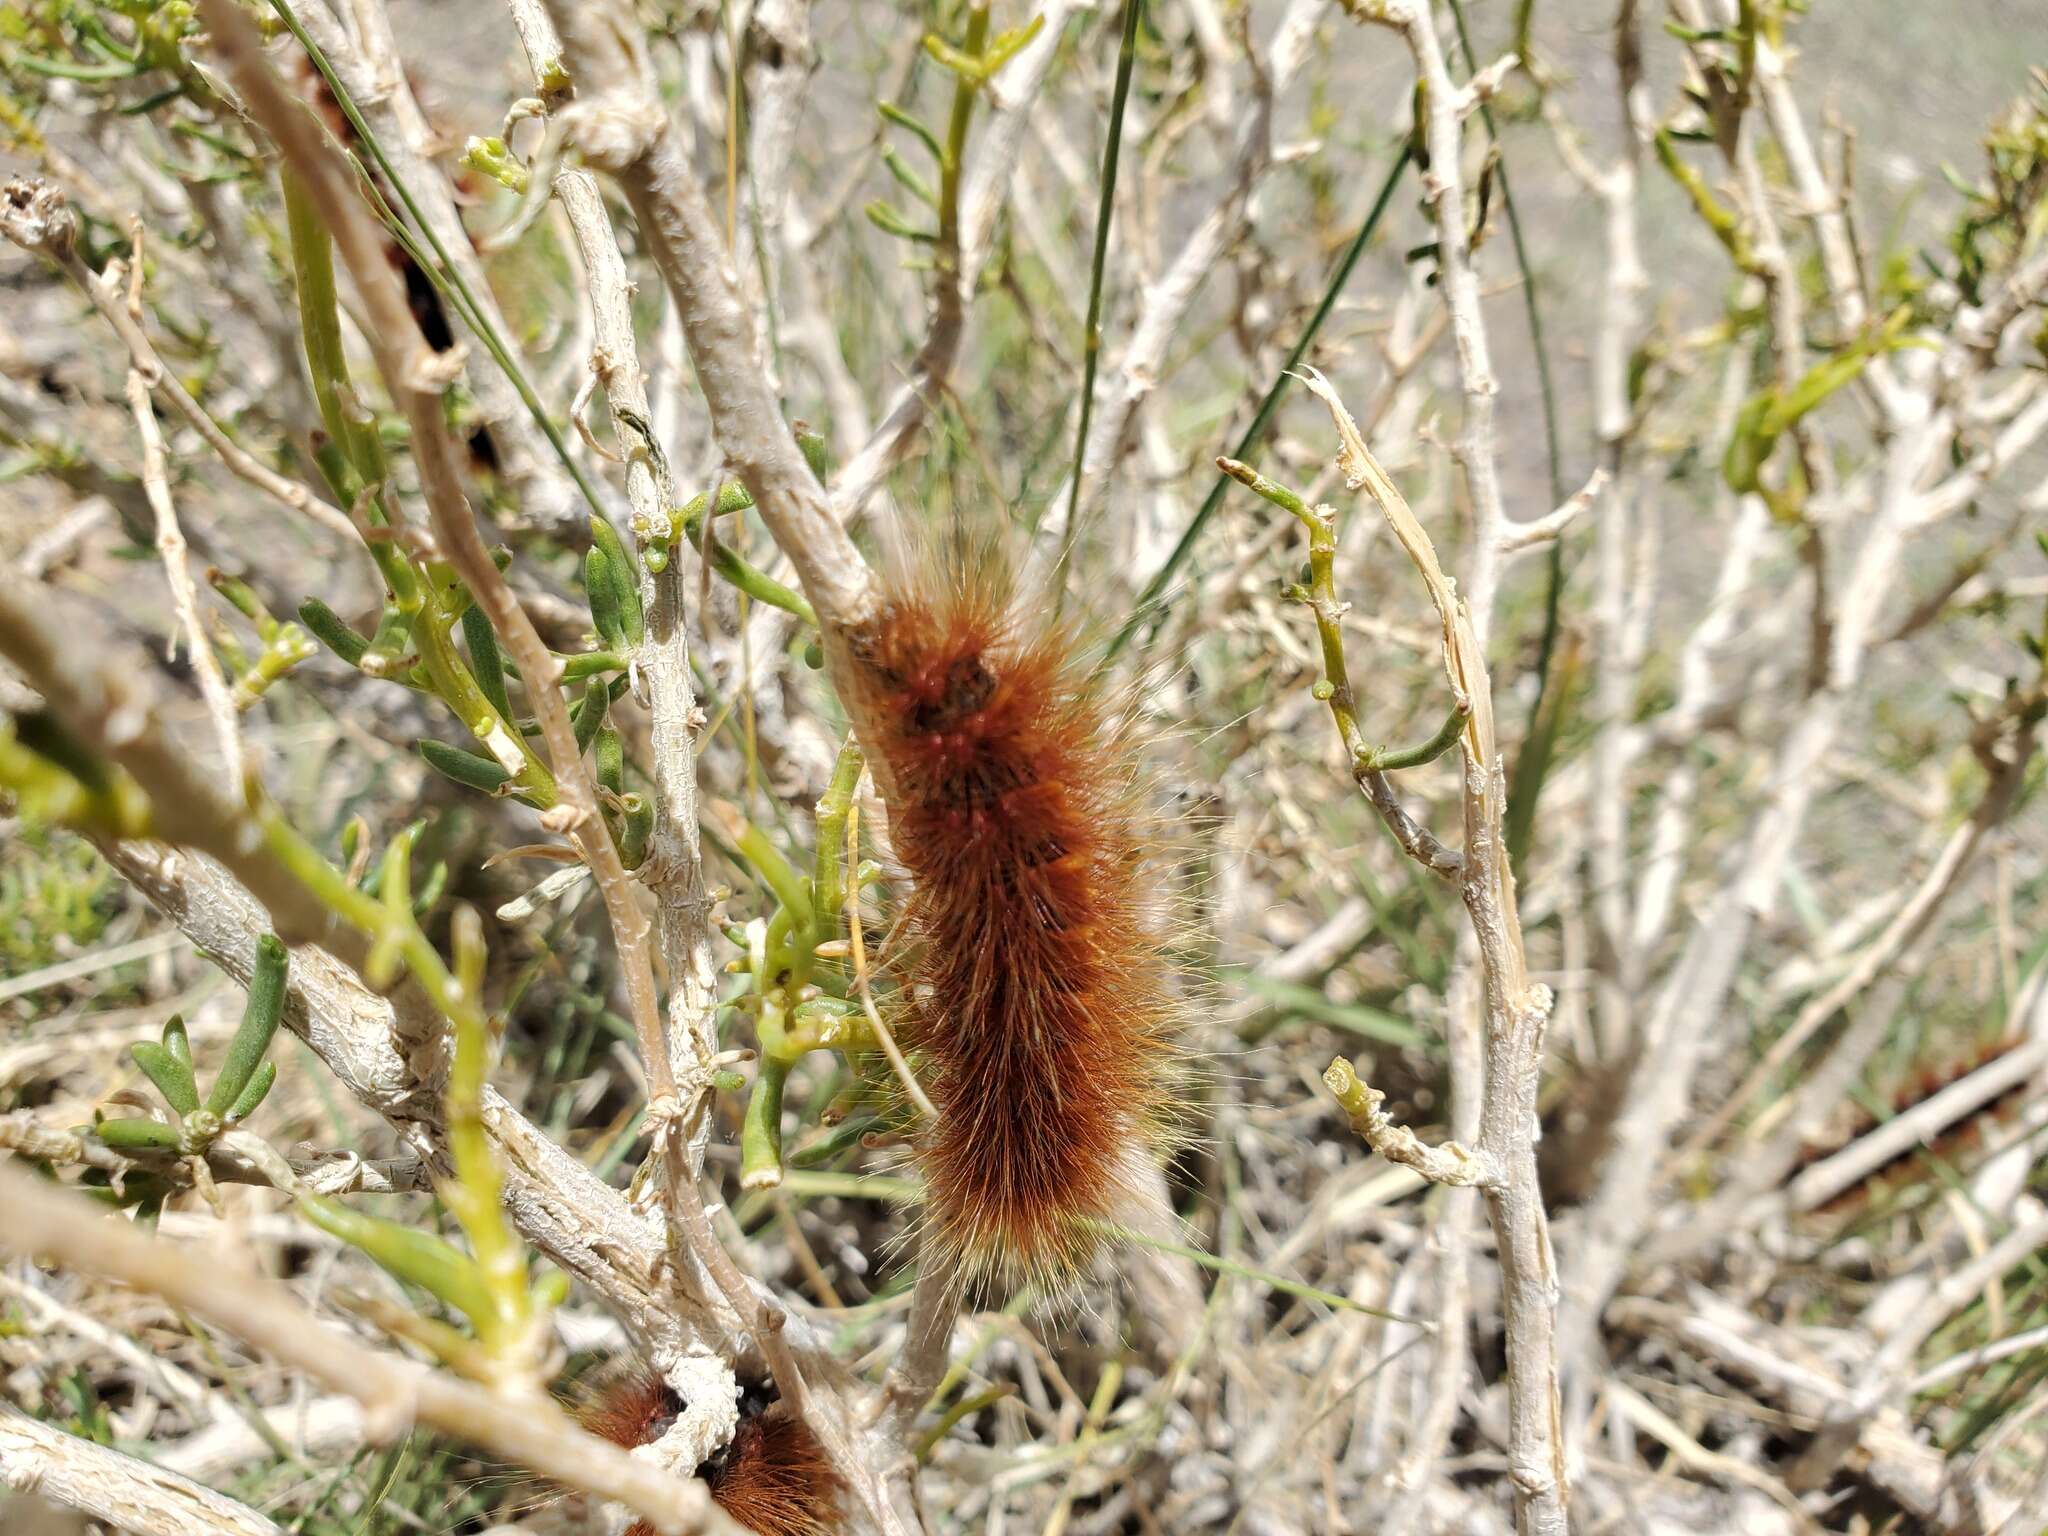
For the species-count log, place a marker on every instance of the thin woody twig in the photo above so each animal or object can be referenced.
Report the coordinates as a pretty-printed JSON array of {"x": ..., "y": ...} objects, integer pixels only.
[
  {"x": 675, "y": 872},
  {"x": 779, "y": 60},
  {"x": 1445, "y": 1163},
  {"x": 129, "y": 1495},
  {"x": 1515, "y": 1011},
  {"x": 1516, "y": 537},
  {"x": 34, "y": 215},
  {"x": 1369, "y": 764},
  {"x": 1915, "y": 1127},
  {"x": 22, "y": 1132},
  {"x": 1444, "y": 186},
  {"x": 620, "y": 125},
  {"x": 170, "y": 545}
]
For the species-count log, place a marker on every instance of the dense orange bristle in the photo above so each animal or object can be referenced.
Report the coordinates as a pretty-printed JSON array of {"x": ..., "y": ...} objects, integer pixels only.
[
  {"x": 631, "y": 1410},
  {"x": 773, "y": 1478},
  {"x": 1039, "y": 999}
]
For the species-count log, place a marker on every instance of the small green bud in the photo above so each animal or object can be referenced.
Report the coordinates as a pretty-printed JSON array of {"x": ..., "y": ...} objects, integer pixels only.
[
  {"x": 200, "y": 1130},
  {"x": 494, "y": 158}
]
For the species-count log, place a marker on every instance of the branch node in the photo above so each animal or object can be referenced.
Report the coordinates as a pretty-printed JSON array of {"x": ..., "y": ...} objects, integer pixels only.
[{"x": 1449, "y": 1163}]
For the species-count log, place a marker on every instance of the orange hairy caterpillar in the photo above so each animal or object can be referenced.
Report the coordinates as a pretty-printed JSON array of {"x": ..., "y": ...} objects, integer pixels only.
[
  {"x": 1038, "y": 1000},
  {"x": 773, "y": 1478}
]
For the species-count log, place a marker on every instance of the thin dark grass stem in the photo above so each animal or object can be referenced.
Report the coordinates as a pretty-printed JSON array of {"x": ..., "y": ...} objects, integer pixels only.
[
  {"x": 1105, "y": 212},
  {"x": 441, "y": 270},
  {"x": 1151, "y": 604}
]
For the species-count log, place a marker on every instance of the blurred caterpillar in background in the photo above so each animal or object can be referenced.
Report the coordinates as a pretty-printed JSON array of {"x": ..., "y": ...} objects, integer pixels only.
[
  {"x": 1039, "y": 999},
  {"x": 1962, "y": 1142},
  {"x": 773, "y": 1478}
]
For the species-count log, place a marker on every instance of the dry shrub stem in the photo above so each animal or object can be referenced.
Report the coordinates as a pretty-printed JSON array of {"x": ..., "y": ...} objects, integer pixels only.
[
  {"x": 528, "y": 1429},
  {"x": 675, "y": 870},
  {"x": 128, "y": 1494},
  {"x": 622, "y": 129},
  {"x": 1515, "y": 1013}
]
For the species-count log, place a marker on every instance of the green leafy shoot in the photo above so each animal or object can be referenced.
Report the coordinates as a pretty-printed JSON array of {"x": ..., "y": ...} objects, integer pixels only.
[{"x": 245, "y": 1078}]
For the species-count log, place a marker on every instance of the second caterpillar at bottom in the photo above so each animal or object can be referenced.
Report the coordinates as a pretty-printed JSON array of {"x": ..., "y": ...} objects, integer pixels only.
[{"x": 773, "y": 1478}]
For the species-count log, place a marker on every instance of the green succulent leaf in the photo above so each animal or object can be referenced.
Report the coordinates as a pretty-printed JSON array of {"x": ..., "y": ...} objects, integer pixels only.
[
  {"x": 468, "y": 768},
  {"x": 602, "y": 591},
  {"x": 139, "y": 1135},
  {"x": 259, "y": 1022},
  {"x": 253, "y": 1095},
  {"x": 611, "y": 760},
  {"x": 328, "y": 628},
  {"x": 176, "y": 1041},
  {"x": 612, "y": 584},
  {"x": 484, "y": 660},
  {"x": 590, "y": 714},
  {"x": 416, "y": 1257},
  {"x": 173, "y": 1078},
  {"x": 761, "y": 1129}
]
